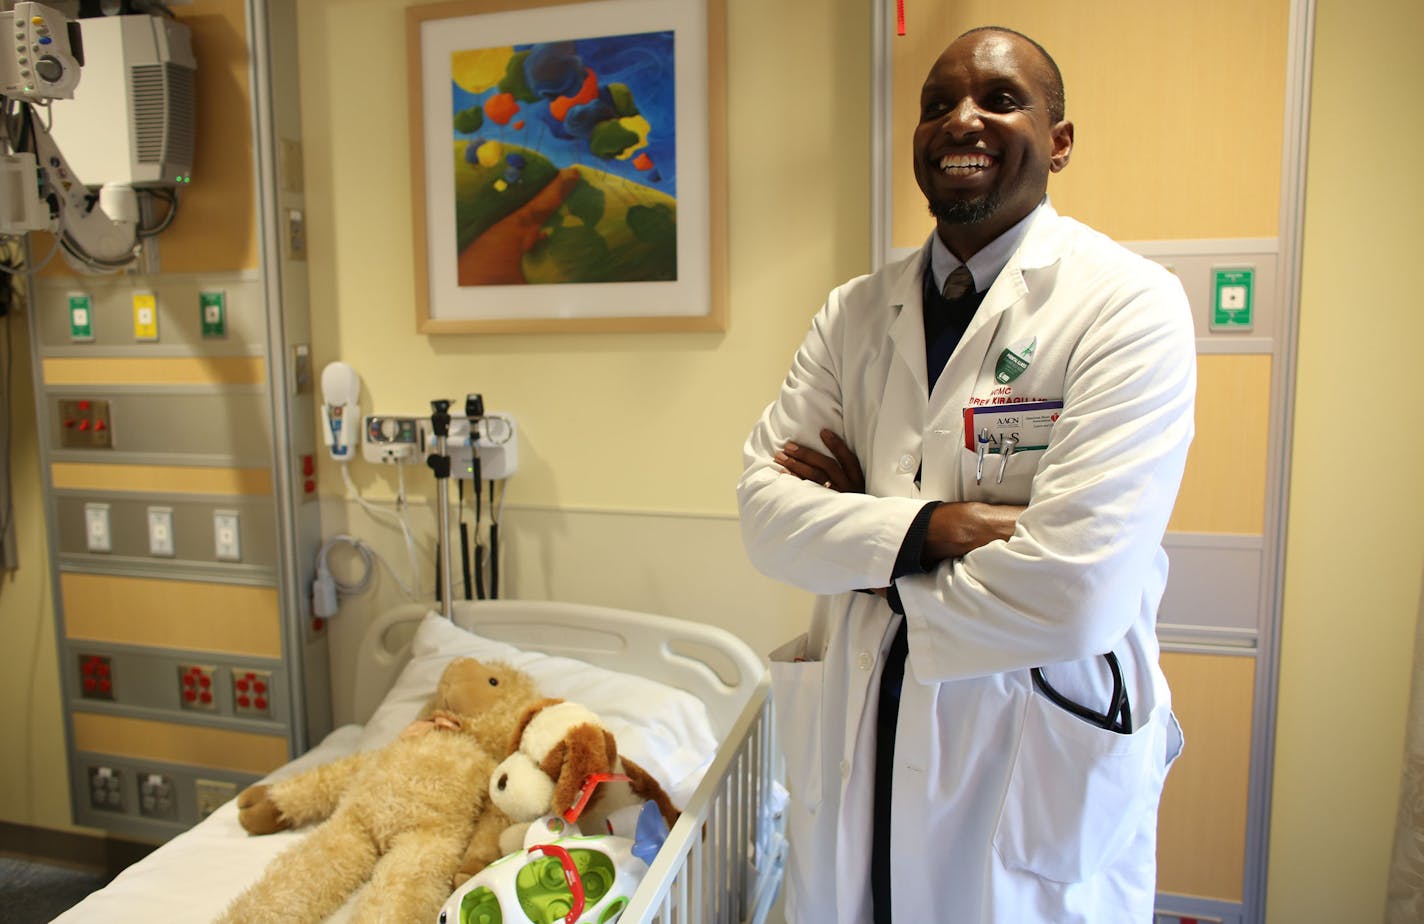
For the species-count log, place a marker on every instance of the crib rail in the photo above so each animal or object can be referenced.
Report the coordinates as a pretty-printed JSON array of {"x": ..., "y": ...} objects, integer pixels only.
[{"x": 723, "y": 860}]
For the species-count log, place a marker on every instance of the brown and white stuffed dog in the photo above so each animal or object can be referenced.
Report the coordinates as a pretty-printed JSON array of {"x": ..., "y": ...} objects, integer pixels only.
[{"x": 558, "y": 749}]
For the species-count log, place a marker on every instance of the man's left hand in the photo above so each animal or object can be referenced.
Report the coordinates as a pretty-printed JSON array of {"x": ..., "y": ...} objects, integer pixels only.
[{"x": 839, "y": 471}]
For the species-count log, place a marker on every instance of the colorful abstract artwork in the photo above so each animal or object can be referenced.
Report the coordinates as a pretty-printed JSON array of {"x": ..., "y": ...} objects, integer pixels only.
[
  {"x": 568, "y": 170},
  {"x": 565, "y": 161}
]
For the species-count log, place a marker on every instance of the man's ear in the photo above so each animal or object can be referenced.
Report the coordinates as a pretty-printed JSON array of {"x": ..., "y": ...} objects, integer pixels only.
[{"x": 1062, "y": 135}]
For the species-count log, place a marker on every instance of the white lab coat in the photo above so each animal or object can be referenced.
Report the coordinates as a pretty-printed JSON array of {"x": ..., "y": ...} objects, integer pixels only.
[{"x": 1008, "y": 809}]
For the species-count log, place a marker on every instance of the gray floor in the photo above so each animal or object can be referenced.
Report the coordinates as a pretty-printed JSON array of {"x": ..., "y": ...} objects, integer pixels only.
[{"x": 35, "y": 893}]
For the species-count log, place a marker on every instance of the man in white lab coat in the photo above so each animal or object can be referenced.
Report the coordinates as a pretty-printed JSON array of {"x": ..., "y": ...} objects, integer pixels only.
[{"x": 976, "y": 474}]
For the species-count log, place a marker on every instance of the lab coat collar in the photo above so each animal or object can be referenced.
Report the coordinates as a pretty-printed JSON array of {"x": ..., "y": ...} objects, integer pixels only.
[
  {"x": 1042, "y": 247},
  {"x": 907, "y": 331}
]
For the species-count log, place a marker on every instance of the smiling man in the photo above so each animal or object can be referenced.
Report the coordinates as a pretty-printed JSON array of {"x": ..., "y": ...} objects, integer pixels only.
[{"x": 972, "y": 461}]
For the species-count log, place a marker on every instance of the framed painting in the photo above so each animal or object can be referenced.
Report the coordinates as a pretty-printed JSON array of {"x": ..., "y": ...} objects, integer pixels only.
[{"x": 566, "y": 165}]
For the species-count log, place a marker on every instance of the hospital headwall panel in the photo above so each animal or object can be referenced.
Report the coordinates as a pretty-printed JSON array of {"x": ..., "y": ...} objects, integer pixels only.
[
  {"x": 1187, "y": 125},
  {"x": 177, "y": 451}
]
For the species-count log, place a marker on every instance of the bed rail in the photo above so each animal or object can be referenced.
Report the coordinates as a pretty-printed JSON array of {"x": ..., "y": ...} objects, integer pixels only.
[{"x": 723, "y": 861}]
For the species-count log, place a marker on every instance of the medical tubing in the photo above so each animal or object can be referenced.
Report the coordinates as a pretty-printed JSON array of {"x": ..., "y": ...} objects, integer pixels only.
[
  {"x": 399, "y": 518},
  {"x": 327, "y": 590},
  {"x": 494, "y": 544},
  {"x": 1108, "y": 720},
  {"x": 465, "y": 558},
  {"x": 439, "y": 462}
]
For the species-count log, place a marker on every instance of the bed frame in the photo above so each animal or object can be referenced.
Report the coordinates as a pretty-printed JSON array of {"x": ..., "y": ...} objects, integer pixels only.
[{"x": 723, "y": 861}]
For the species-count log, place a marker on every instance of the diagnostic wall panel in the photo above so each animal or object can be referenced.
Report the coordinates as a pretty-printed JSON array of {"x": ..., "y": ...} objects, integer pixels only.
[{"x": 175, "y": 411}]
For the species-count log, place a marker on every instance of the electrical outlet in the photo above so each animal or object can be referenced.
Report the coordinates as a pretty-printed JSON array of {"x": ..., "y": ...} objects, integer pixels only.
[
  {"x": 160, "y": 531},
  {"x": 252, "y": 693},
  {"x": 195, "y": 687},
  {"x": 227, "y": 545},
  {"x": 156, "y": 798},
  {"x": 96, "y": 527},
  {"x": 212, "y": 794},
  {"x": 96, "y": 677},
  {"x": 106, "y": 789}
]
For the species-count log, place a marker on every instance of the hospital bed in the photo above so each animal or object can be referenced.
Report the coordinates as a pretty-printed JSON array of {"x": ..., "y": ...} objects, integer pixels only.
[{"x": 689, "y": 702}]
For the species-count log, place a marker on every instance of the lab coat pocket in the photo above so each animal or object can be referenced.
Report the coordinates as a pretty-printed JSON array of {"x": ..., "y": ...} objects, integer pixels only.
[
  {"x": 998, "y": 480},
  {"x": 796, "y": 699},
  {"x": 1076, "y": 793}
]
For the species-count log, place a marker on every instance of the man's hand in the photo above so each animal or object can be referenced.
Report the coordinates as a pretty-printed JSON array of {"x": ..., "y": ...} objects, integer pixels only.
[
  {"x": 839, "y": 471},
  {"x": 960, "y": 528},
  {"x": 956, "y": 529}
]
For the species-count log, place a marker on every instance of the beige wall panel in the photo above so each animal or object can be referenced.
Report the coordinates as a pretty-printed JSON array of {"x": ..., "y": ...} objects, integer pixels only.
[
  {"x": 216, "y": 228},
  {"x": 168, "y": 479},
  {"x": 209, "y": 370},
  {"x": 1178, "y": 110},
  {"x": 228, "y": 618},
  {"x": 193, "y": 745},
  {"x": 1201, "y": 829},
  {"x": 1224, "y": 486}
]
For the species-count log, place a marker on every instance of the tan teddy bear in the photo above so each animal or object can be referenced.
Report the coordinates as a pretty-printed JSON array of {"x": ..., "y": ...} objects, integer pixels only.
[{"x": 413, "y": 817}]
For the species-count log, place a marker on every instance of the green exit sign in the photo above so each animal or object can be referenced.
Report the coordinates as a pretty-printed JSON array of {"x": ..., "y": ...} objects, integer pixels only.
[{"x": 1233, "y": 298}]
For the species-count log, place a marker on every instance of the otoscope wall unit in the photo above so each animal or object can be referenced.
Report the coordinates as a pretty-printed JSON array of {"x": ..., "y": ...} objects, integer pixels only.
[{"x": 493, "y": 438}]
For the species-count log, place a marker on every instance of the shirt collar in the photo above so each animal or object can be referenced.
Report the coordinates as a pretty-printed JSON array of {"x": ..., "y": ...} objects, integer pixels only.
[{"x": 985, "y": 265}]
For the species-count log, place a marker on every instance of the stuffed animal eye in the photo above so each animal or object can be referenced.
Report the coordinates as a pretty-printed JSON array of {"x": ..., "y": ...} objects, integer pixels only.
[
  {"x": 503, "y": 781},
  {"x": 494, "y": 681}
]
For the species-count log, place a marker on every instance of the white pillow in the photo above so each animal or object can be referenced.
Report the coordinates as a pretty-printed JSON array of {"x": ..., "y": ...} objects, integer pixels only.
[{"x": 664, "y": 730}]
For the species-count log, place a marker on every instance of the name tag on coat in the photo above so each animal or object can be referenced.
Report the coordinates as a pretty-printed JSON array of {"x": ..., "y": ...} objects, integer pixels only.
[{"x": 1026, "y": 425}]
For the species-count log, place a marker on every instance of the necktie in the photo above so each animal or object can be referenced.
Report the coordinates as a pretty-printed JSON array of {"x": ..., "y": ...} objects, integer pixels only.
[{"x": 959, "y": 283}]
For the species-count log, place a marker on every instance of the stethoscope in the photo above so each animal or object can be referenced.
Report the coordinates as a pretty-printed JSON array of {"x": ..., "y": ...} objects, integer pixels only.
[{"x": 1118, "y": 718}]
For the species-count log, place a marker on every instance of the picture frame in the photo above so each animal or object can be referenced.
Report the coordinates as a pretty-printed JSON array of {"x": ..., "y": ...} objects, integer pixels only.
[{"x": 567, "y": 165}]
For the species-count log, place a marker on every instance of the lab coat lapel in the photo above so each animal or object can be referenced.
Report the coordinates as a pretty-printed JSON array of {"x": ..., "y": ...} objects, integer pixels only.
[
  {"x": 1042, "y": 247},
  {"x": 904, "y": 403},
  {"x": 907, "y": 331}
]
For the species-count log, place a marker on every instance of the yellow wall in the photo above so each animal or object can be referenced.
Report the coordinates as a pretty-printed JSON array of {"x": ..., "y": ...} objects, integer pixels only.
[
  {"x": 1355, "y": 539},
  {"x": 33, "y": 785},
  {"x": 656, "y": 422},
  {"x": 623, "y": 421}
]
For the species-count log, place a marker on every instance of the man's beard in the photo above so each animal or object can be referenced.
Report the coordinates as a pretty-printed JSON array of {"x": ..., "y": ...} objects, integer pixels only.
[{"x": 965, "y": 211}]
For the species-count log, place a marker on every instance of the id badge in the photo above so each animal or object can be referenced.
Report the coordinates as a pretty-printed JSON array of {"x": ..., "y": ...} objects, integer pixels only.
[{"x": 1003, "y": 429}]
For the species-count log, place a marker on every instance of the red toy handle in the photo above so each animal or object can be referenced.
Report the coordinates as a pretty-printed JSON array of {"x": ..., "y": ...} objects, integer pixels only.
[
  {"x": 571, "y": 876},
  {"x": 586, "y": 792}
]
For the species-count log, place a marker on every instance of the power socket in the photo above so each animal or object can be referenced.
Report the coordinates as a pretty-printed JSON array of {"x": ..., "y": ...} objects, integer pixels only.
[
  {"x": 156, "y": 796},
  {"x": 106, "y": 789},
  {"x": 96, "y": 677},
  {"x": 160, "y": 531},
  {"x": 252, "y": 693},
  {"x": 227, "y": 535},
  {"x": 211, "y": 794},
  {"x": 97, "y": 537},
  {"x": 195, "y": 687}
]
